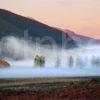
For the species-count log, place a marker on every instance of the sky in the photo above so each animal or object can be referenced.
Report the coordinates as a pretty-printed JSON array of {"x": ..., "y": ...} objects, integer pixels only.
[{"x": 80, "y": 16}]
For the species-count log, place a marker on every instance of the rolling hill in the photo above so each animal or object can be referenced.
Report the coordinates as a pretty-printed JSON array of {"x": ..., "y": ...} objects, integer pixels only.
[
  {"x": 15, "y": 25},
  {"x": 82, "y": 40}
]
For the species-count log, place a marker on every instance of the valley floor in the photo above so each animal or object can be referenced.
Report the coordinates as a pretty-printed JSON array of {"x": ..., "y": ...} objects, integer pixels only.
[{"x": 50, "y": 89}]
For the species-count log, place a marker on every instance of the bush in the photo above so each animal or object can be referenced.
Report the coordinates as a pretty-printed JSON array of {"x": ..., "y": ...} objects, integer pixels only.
[
  {"x": 4, "y": 63},
  {"x": 39, "y": 60},
  {"x": 70, "y": 61},
  {"x": 79, "y": 61},
  {"x": 95, "y": 61}
]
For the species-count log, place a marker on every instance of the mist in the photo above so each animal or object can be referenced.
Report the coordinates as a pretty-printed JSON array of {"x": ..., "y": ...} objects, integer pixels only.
[
  {"x": 59, "y": 62},
  {"x": 23, "y": 51},
  {"x": 16, "y": 48}
]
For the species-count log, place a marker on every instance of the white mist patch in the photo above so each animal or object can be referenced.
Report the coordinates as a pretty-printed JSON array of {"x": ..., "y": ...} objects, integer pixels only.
[
  {"x": 21, "y": 49},
  {"x": 24, "y": 51},
  {"x": 48, "y": 73},
  {"x": 82, "y": 61},
  {"x": 16, "y": 48}
]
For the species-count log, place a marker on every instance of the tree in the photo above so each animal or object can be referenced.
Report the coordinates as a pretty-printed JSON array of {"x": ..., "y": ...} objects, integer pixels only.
[
  {"x": 70, "y": 61},
  {"x": 39, "y": 60}
]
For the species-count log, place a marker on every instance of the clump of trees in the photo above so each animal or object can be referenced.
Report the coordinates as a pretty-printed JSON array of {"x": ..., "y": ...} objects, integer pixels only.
[
  {"x": 39, "y": 60},
  {"x": 79, "y": 61},
  {"x": 4, "y": 63},
  {"x": 70, "y": 61},
  {"x": 58, "y": 62},
  {"x": 95, "y": 60}
]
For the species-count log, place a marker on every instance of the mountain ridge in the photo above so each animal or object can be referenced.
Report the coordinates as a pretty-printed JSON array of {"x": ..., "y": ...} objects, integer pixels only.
[
  {"x": 14, "y": 24},
  {"x": 81, "y": 39}
]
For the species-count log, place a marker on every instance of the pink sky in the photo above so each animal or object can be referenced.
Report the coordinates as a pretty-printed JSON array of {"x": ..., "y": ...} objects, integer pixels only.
[{"x": 80, "y": 16}]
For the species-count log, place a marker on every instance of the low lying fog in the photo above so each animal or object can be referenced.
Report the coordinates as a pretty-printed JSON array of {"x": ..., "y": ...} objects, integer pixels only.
[{"x": 21, "y": 52}]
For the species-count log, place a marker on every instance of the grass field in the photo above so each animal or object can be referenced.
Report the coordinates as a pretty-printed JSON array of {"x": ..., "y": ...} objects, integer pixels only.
[
  {"x": 39, "y": 83},
  {"x": 50, "y": 89}
]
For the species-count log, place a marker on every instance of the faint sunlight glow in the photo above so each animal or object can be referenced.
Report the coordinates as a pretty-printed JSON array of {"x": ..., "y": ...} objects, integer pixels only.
[{"x": 81, "y": 16}]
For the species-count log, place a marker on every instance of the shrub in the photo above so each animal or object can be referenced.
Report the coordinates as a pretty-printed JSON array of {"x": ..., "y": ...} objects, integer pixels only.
[
  {"x": 79, "y": 61},
  {"x": 4, "y": 63},
  {"x": 70, "y": 61},
  {"x": 95, "y": 61},
  {"x": 39, "y": 60}
]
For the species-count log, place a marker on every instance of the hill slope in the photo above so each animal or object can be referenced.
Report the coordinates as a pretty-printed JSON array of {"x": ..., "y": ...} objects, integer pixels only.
[
  {"x": 13, "y": 24},
  {"x": 82, "y": 40}
]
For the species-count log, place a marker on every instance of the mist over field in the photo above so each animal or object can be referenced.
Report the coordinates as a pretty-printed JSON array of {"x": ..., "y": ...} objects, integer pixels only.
[
  {"x": 19, "y": 49},
  {"x": 59, "y": 62}
]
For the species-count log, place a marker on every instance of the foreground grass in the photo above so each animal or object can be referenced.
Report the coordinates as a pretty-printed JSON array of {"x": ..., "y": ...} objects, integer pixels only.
[{"x": 43, "y": 84}]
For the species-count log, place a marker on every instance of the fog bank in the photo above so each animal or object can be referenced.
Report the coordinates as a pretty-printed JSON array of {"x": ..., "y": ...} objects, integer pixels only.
[{"x": 20, "y": 49}]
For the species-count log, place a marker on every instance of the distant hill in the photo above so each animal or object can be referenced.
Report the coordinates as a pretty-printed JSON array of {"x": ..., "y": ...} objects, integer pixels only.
[
  {"x": 82, "y": 40},
  {"x": 15, "y": 25}
]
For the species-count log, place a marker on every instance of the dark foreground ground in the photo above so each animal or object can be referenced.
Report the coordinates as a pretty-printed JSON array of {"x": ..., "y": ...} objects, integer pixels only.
[{"x": 66, "y": 89}]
